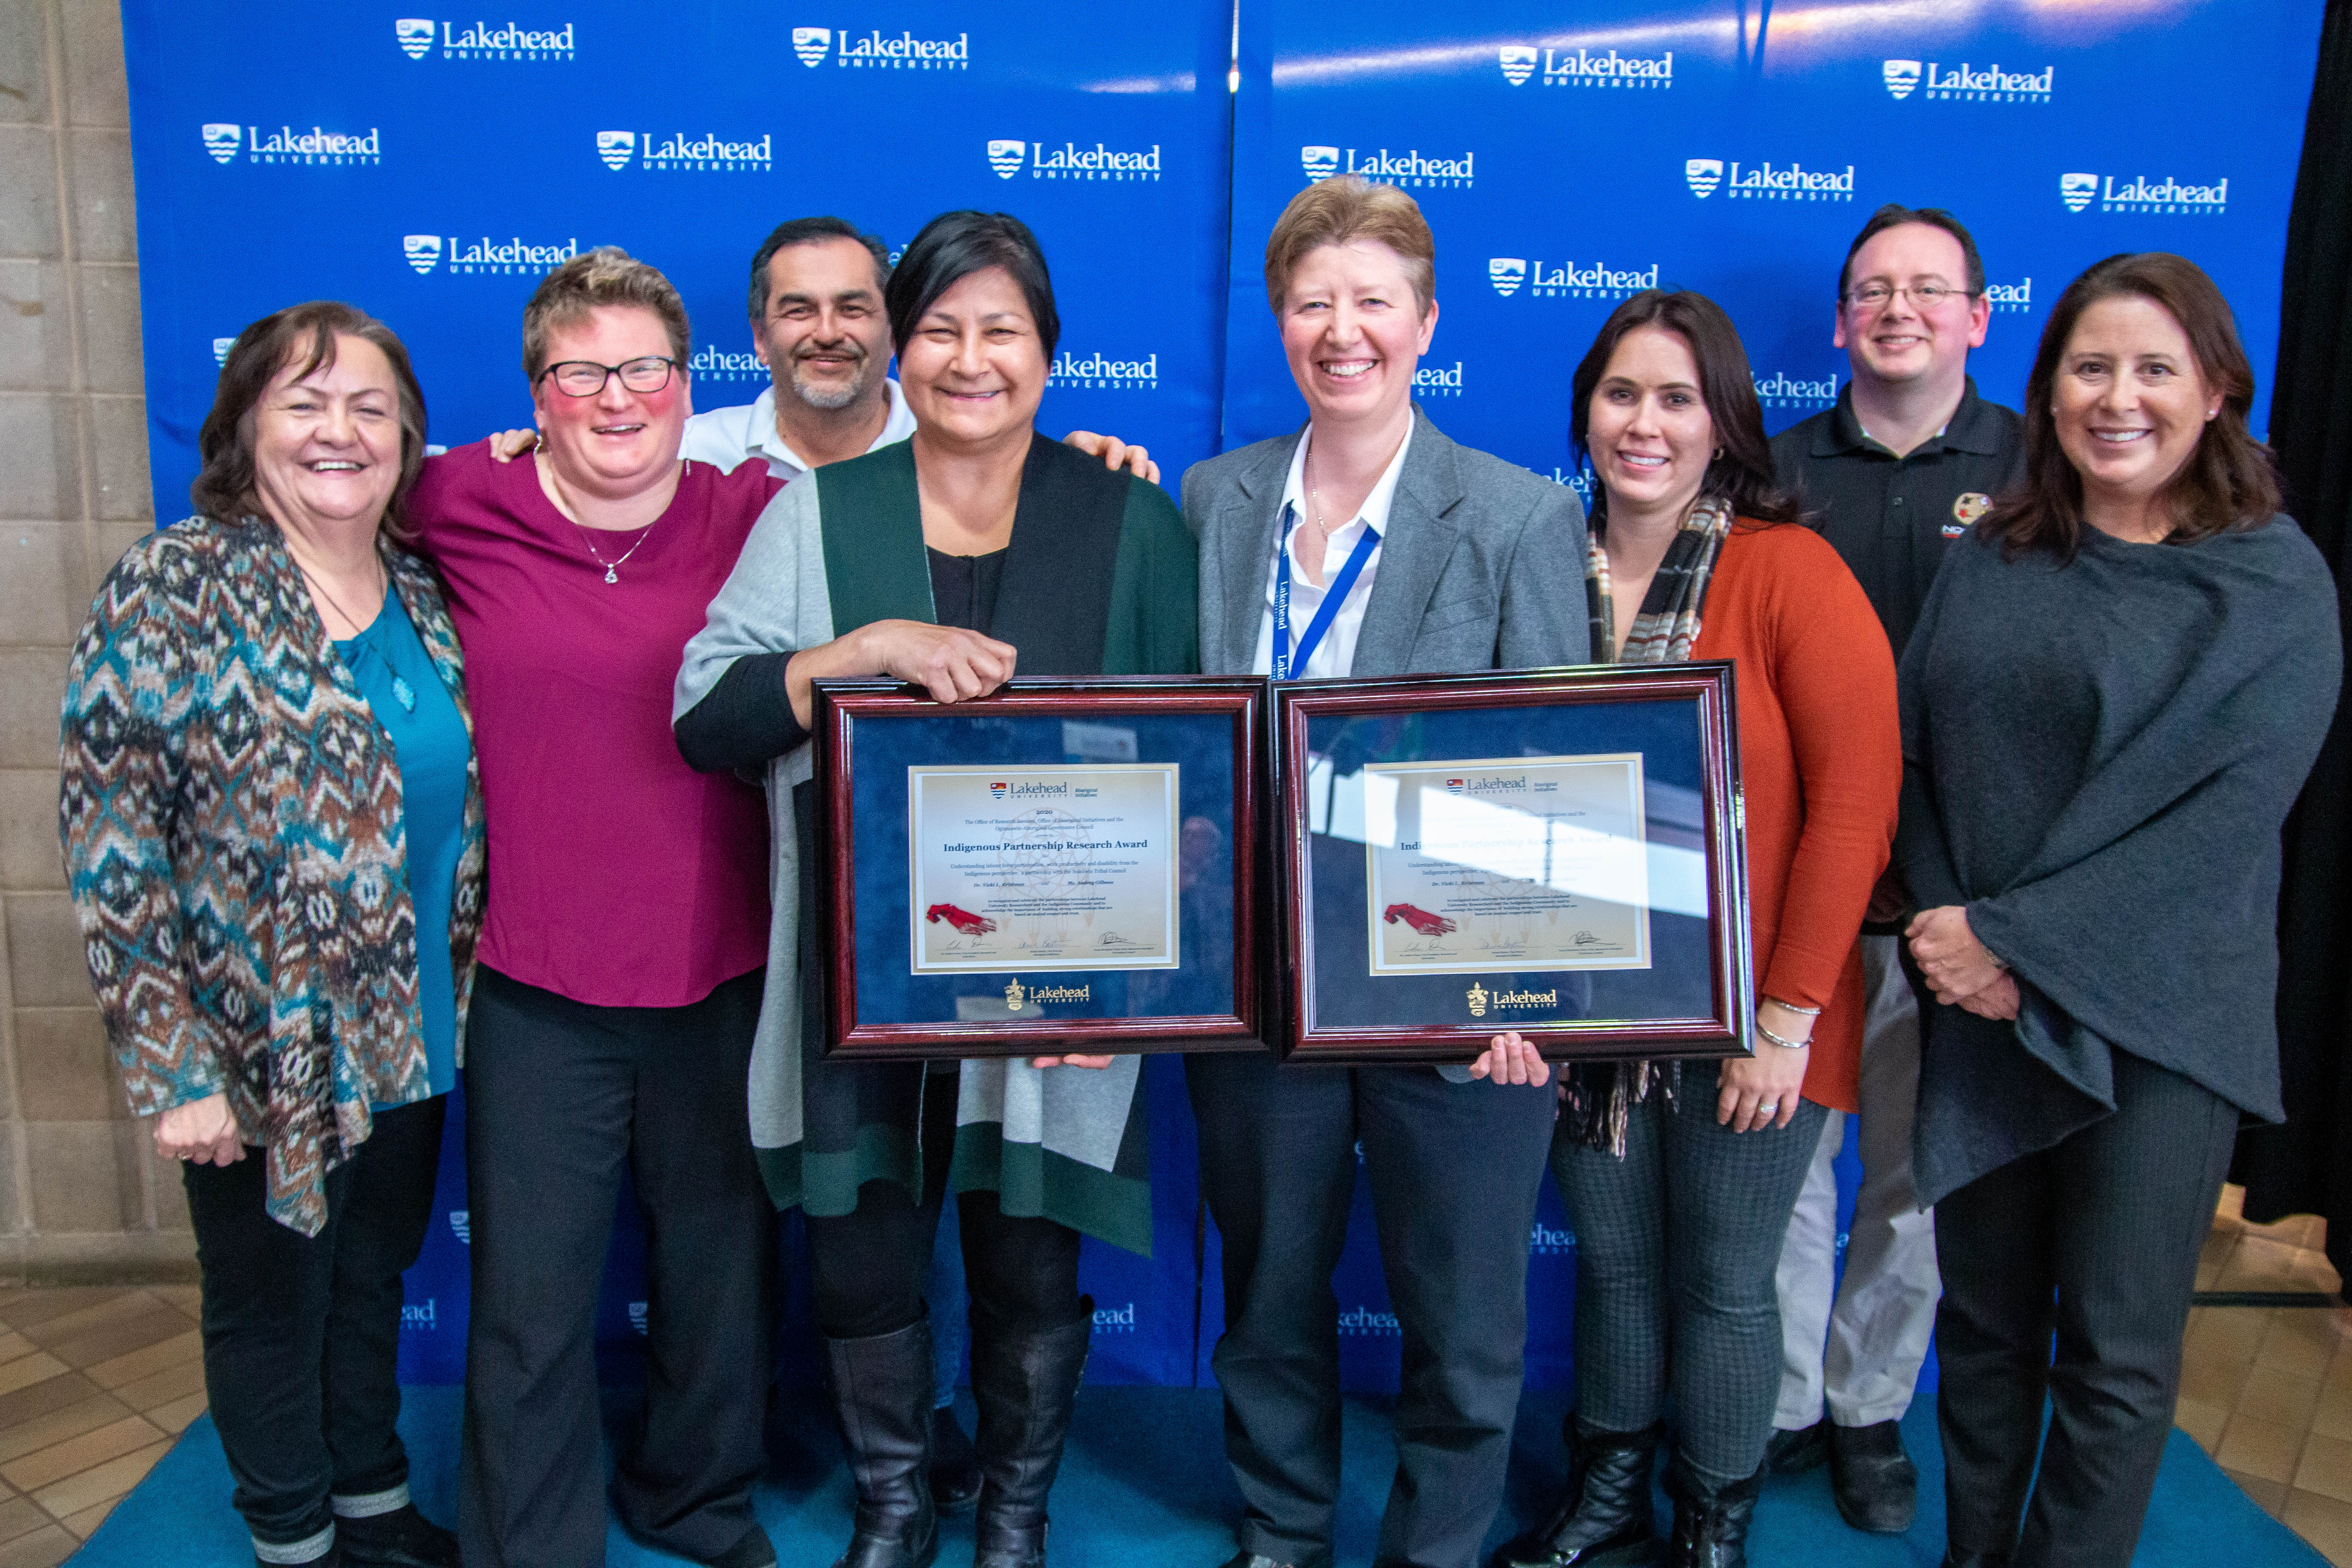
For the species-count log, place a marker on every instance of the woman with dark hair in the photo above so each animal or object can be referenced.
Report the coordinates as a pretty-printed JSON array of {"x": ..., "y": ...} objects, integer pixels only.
[
  {"x": 942, "y": 560},
  {"x": 2115, "y": 692},
  {"x": 273, "y": 831},
  {"x": 1680, "y": 1197}
]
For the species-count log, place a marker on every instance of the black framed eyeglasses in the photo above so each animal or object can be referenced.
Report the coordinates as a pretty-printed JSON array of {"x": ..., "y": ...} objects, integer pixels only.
[{"x": 586, "y": 378}]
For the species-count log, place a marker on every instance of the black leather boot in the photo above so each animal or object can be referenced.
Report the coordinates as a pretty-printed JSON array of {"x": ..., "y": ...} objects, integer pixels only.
[
  {"x": 1604, "y": 1518},
  {"x": 1956, "y": 1558},
  {"x": 882, "y": 1393},
  {"x": 1710, "y": 1523},
  {"x": 955, "y": 1468},
  {"x": 1026, "y": 1381}
]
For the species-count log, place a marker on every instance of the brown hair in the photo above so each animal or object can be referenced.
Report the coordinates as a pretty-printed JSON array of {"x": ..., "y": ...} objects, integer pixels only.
[
  {"x": 302, "y": 335},
  {"x": 2228, "y": 481},
  {"x": 1895, "y": 215},
  {"x": 1345, "y": 207},
  {"x": 604, "y": 276},
  {"x": 1742, "y": 473}
]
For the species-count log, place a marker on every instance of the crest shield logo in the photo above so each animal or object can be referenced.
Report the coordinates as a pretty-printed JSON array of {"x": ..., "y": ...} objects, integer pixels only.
[
  {"x": 1901, "y": 77},
  {"x": 220, "y": 350},
  {"x": 1519, "y": 63},
  {"x": 1006, "y": 157},
  {"x": 414, "y": 35},
  {"x": 616, "y": 148},
  {"x": 1704, "y": 174},
  {"x": 422, "y": 250},
  {"x": 461, "y": 1224},
  {"x": 223, "y": 141},
  {"x": 1320, "y": 163},
  {"x": 1479, "y": 995},
  {"x": 1015, "y": 997},
  {"x": 811, "y": 43},
  {"x": 1507, "y": 273},
  {"x": 2076, "y": 190}
]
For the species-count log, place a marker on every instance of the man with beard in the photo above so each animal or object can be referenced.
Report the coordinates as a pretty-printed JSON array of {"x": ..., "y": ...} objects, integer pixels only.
[{"x": 817, "y": 325}]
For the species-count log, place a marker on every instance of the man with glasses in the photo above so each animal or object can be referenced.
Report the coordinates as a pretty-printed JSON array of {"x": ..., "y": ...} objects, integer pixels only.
[{"x": 1906, "y": 463}]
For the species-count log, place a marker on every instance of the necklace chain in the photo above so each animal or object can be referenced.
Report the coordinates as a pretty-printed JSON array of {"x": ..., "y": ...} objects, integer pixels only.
[
  {"x": 365, "y": 636},
  {"x": 611, "y": 568}
]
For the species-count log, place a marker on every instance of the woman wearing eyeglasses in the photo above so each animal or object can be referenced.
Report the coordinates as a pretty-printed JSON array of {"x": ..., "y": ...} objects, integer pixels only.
[{"x": 623, "y": 944}]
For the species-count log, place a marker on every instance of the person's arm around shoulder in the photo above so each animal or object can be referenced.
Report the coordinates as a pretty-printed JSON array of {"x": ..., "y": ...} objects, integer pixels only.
[
  {"x": 130, "y": 697},
  {"x": 1543, "y": 619}
]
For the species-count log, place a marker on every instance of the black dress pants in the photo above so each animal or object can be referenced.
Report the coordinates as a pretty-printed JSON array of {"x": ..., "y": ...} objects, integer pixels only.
[
  {"x": 2094, "y": 1241},
  {"x": 560, "y": 1097},
  {"x": 1454, "y": 1170},
  {"x": 303, "y": 1332}
]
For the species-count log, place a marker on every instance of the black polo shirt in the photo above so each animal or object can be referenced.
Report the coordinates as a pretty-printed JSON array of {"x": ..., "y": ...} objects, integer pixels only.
[{"x": 1892, "y": 517}]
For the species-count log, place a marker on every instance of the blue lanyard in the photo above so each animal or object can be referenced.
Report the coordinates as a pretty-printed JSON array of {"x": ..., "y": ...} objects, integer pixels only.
[{"x": 1284, "y": 660}]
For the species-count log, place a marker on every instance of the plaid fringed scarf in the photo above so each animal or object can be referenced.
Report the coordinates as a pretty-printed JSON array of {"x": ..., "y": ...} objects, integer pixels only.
[{"x": 1597, "y": 1098}]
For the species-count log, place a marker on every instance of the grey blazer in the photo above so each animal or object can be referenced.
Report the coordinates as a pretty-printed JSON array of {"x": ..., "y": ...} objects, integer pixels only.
[{"x": 1482, "y": 566}]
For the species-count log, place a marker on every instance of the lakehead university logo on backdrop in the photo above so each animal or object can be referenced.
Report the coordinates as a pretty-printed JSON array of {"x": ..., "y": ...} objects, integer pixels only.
[
  {"x": 1071, "y": 162},
  {"x": 1965, "y": 82},
  {"x": 1782, "y": 390},
  {"x": 1407, "y": 170},
  {"x": 682, "y": 150},
  {"x": 1767, "y": 181},
  {"x": 1099, "y": 371},
  {"x": 872, "y": 51},
  {"x": 2141, "y": 195},
  {"x": 421, "y": 35},
  {"x": 425, "y": 252},
  {"x": 315, "y": 147},
  {"x": 1582, "y": 67},
  {"x": 1568, "y": 279}
]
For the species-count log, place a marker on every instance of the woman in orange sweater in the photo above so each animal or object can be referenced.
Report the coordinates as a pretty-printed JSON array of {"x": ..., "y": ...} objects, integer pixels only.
[{"x": 1680, "y": 1196}]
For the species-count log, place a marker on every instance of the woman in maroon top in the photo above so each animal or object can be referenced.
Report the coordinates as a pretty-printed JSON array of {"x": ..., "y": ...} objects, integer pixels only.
[{"x": 622, "y": 947}]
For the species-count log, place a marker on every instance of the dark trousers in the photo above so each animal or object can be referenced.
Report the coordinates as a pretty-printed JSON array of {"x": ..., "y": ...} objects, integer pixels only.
[
  {"x": 2093, "y": 1242},
  {"x": 869, "y": 1266},
  {"x": 1677, "y": 1247},
  {"x": 303, "y": 1332},
  {"x": 561, "y": 1097},
  {"x": 1454, "y": 1169}
]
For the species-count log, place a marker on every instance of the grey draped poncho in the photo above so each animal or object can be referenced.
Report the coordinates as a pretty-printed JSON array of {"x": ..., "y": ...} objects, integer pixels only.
[{"x": 2098, "y": 756}]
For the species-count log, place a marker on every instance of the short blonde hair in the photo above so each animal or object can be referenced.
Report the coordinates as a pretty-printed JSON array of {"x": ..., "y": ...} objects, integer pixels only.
[
  {"x": 1345, "y": 207},
  {"x": 604, "y": 276}
]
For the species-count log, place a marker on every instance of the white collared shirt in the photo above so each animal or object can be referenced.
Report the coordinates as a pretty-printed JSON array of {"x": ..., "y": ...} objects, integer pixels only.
[
  {"x": 727, "y": 436},
  {"x": 1335, "y": 655}
]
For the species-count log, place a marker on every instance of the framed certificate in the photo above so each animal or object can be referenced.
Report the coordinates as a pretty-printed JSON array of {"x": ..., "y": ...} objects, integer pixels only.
[
  {"x": 1557, "y": 852},
  {"x": 1065, "y": 865}
]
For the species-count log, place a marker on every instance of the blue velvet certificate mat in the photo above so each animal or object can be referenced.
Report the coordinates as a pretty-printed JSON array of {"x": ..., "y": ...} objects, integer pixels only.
[
  {"x": 884, "y": 748},
  {"x": 1679, "y": 982}
]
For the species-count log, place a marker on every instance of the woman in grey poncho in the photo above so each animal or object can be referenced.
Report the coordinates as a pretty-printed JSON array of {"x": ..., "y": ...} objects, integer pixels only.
[{"x": 2113, "y": 697}]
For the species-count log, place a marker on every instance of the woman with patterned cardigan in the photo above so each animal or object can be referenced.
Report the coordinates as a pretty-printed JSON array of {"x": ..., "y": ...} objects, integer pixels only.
[{"x": 273, "y": 828}]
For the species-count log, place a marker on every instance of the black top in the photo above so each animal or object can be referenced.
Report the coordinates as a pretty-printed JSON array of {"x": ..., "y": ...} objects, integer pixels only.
[
  {"x": 963, "y": 588},
  {"x": 1892, "y": 517}
]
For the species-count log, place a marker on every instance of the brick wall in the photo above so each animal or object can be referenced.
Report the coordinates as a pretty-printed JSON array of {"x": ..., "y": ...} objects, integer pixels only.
[{"x": 83, "y": 1194}]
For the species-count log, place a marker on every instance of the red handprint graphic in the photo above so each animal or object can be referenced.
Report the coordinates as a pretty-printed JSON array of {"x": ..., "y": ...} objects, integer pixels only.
[
  {"x": 964, "y": 920},
  {"x": 1420, "y": 919}
]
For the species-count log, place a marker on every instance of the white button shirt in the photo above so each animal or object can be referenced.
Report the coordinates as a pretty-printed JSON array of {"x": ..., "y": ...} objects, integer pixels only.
[
  {"x": 727, "y": 436},
  {"x": 1335, "y": 655}
]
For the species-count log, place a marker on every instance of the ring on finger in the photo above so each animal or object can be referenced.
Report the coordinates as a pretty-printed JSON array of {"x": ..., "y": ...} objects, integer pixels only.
[{"x": 1769, "y": 1108}]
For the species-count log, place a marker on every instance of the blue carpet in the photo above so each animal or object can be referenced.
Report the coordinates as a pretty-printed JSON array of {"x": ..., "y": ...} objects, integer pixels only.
[{"x": 1145, "y": 1486}]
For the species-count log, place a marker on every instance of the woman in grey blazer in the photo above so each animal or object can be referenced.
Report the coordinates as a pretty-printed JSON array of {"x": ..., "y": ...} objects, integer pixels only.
[{"x": 1366, "y": 544}]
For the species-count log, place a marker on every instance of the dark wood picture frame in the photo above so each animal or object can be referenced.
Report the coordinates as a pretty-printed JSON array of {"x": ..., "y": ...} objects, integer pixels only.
[
  {"x": 841, "y": 705},
  {"x": 1723, "y": 1031}
]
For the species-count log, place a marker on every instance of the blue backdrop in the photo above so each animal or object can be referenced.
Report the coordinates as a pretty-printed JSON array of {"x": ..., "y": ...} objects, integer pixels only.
[{"x": 428, "y": 168}]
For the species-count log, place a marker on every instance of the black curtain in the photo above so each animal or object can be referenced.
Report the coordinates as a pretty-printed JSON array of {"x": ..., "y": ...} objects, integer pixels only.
[{"x": 2306, "y": 1166}]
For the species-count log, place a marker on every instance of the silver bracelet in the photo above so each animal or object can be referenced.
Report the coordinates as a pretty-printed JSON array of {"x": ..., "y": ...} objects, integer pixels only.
[
  {"x": 1791, "y": 1006},
  {"x": 1784, "y": 1045}
]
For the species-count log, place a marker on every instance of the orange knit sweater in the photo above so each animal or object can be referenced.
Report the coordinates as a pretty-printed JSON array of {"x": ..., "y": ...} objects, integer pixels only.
[{"x": 1822, "y": 764}]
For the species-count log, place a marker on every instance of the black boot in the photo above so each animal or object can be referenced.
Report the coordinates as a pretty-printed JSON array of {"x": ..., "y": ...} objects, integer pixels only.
[
  {"x": 1956, "y": 1558},
  {"x": 401, "y": 1538},
  {"x": 1710, "y": 1523},
  {"x": 1026, "y": 1381},
  {"x": 882, "y": 1393},
  {"x": 955, "y": 1468},
  {"x": 1604, "y": 1518}
]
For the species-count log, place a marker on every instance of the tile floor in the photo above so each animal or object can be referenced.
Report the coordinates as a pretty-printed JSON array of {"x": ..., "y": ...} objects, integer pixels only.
[{"x": 95, "y": 1383}]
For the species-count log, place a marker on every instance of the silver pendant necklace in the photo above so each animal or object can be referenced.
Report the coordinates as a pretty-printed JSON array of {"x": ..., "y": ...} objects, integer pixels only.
[{"x": 611, "y": 568}]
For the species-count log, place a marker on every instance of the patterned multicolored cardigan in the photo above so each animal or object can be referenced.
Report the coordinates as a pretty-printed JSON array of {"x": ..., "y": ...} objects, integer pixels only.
[{"x": 232, "y": 835}]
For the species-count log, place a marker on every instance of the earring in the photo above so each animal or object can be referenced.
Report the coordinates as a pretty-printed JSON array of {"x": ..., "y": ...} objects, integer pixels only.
[{"x": 1718, "y": 454}]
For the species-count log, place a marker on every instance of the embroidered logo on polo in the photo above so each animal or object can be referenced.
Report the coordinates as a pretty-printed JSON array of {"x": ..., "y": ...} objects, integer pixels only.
[
  {"x": 1767, "y": 181},
  {"x": 2165, "y": 197},
  {"x": 419, "y": 35},
  {"x": 1569, "y": 279},
  {"x": 1409, "y": 169},
  {"x": 684, "y": 151},
  {"x": 1581, "y": 67},
  {"x": 1966, "y": 507},
  {"x": 1099, "y": 163},
  {"x": 877, "y": 50},
  {"x": 1967, "y": 83}
]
